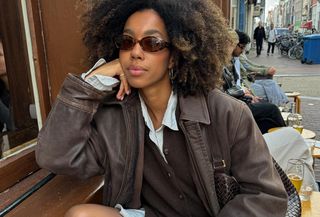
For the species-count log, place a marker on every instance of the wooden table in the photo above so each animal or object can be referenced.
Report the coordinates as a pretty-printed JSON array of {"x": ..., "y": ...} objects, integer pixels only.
[
  {"x": 311, "y": 208},
  {"x": 306, "y": 134},
  {"x": 296, "y": 99},
  {"x": 315, "y": 153}
]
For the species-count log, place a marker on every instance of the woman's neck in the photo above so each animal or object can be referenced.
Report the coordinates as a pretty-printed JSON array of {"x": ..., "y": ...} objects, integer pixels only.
[{"x": 156, "y": 101}]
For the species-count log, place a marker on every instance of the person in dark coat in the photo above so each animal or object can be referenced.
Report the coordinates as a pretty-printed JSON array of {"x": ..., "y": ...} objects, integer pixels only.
[{"x": 259, "y": 35}]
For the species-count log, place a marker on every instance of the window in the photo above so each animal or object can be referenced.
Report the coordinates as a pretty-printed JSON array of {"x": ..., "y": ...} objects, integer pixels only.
[
  {"x": 35, "y": 68},
  {"x": 18, "y": 116}
]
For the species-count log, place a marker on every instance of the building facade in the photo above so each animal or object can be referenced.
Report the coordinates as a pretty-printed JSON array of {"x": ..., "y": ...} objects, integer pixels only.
[{"x": 301, "y": 15}]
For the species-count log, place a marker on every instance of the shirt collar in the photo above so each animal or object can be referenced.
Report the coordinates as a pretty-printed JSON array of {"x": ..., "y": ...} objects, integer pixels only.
[{"x": 169, "y": 118}]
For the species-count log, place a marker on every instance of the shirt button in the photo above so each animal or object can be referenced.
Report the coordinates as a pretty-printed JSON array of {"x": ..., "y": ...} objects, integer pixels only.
[
  {"x": 180, "y": 196},
  {"x": 166, "y": 151}
]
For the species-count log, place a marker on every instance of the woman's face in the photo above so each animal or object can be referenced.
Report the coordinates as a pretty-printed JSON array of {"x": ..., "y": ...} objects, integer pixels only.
[
  {"x": 145, "y": 69},
  {"x": 2, "y": 62}
]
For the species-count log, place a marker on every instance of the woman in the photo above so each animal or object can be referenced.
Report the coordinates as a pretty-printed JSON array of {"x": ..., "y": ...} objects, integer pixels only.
[
  {"x": 5, "y": 116},
  {"x": 271, "y": 39},
  {"x": 154, "y": 137}
]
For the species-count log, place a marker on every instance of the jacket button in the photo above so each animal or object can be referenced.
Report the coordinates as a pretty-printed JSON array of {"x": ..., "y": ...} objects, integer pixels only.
[
  {"x": 180, "y": 196},
  {"x": 166, "y": 151},
  {"x": 169, "y": 174}
]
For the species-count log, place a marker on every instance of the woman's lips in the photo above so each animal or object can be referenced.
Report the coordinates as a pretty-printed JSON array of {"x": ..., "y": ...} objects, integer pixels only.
[{"x": 136, "y": 70}]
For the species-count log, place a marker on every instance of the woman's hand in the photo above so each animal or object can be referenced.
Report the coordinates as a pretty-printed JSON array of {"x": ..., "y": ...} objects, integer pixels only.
[
  {"x": 113, "y": 69},
  {"x": 255, "y": 99},
  {"x": 271, "y": 70},
  {"x": 248, "y": 93}
]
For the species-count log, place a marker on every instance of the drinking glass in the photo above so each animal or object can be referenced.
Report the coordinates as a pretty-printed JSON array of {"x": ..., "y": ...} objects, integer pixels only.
[
  {"x": 305, "y": 191},
  {"x": 299, "y": 128},
  {"x": 286, "y": 107},
  {"x": 295, "y": 172}
]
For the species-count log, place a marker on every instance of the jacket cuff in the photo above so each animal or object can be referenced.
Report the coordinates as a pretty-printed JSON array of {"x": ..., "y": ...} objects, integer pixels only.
[{"x": 79, "y": 94}]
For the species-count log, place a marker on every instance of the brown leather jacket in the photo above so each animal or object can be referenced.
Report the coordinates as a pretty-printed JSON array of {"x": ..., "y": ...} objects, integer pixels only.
[{"x": 89, "y": 132}]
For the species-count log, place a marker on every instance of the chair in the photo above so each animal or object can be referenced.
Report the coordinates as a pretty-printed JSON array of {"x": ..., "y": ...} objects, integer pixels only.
[{"x": 286, "y": 143}]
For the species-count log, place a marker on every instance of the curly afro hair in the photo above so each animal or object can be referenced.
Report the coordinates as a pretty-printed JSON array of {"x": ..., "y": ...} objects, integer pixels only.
[{"x": 196, "y": 29}]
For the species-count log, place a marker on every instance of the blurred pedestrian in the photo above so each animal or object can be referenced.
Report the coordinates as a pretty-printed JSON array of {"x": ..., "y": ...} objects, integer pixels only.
[
  {"x": 271, "y": 39},
  {"x": 259, "y": 35}
]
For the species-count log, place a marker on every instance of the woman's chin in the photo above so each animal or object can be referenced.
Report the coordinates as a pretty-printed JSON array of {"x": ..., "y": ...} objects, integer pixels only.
[{"x": 137, "y": 84}]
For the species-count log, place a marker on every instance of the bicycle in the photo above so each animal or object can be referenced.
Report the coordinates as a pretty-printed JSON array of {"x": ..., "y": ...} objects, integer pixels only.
[{"x": 296, "y": 51}]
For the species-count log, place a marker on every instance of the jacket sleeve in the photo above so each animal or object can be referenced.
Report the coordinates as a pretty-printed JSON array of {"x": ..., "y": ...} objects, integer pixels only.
[
  {"x": 253, "y": 67},
  {"x": 68, "y": 143},
  {"x": 262, "y": 191}
]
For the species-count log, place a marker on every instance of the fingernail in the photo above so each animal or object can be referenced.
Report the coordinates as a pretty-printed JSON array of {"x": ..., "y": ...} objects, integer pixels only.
[
  {"x": 128, "y": 92},
  {"x": 122, "y": 98}
]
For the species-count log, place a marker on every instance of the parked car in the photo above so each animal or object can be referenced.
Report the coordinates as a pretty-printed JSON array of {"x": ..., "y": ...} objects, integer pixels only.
[{"x": 282, "y": 31}]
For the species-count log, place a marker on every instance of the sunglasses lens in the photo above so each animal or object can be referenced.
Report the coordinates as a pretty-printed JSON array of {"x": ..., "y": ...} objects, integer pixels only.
[
  {"x": 152, "y": 44},
  {"x": 149, "y": 44},
  {"x": 125, "y": 42}
]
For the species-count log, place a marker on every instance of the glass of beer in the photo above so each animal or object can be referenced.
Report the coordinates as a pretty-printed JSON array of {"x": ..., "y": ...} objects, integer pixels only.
[
  {"x": 295, "y": 172},
  {"x": 299, "y": 128}
]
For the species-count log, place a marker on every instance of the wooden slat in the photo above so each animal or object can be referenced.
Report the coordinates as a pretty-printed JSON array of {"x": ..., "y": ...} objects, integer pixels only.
[
  {"x": 10, "y": 195},
  {"x": 13, "y": 170},
  {"x": 59, "y": 195}
]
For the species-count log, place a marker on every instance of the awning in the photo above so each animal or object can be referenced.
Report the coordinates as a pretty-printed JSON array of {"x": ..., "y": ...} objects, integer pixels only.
[{"x": 307, "y": 25}]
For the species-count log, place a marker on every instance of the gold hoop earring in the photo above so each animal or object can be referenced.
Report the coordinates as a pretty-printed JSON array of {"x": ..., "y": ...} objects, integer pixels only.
[{"x": 171, "y": 74}]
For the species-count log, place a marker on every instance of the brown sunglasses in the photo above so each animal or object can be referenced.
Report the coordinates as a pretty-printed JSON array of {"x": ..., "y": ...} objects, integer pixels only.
[{"x": 148, "y": 44}]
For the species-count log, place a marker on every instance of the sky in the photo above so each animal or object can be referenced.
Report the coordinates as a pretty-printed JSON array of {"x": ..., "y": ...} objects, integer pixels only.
[{"x": 270, "y": 4}]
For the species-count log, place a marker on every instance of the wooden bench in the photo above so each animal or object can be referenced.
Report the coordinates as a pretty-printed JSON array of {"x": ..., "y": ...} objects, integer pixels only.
[
  {"x": 52, "y": 199},
  {"x": 59, "y": 195}
]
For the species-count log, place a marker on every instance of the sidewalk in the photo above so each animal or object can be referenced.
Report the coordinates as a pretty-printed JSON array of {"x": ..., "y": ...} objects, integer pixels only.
[{"x": 295, "y": 76}]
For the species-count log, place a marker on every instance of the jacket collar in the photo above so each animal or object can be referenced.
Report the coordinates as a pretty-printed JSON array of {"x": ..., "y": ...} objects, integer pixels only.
[{"x": 194, "y": 108}]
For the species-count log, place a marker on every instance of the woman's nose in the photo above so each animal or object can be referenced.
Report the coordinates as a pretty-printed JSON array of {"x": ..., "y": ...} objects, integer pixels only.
[{"x": 137, "y": 52}]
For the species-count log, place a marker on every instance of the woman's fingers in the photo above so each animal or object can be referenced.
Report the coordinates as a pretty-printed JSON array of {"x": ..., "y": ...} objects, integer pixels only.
[
  {"x": 121, "y": 92},
  {"x": 124, "y": 87},
  {"x": 114, "y": 69},
  {"x": 256, "y": 99}
]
